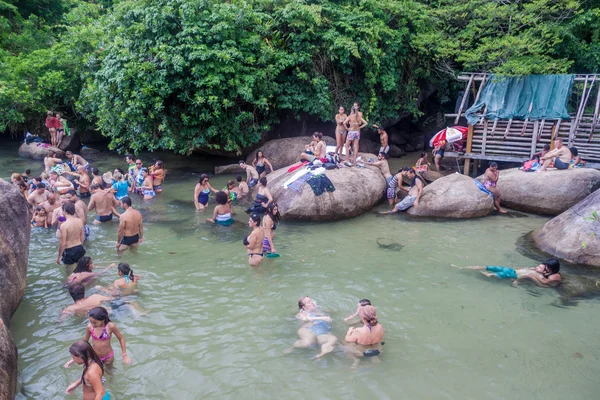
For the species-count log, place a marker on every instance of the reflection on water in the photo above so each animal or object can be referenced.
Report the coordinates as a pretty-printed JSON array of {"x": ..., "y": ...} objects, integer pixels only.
[{"x": 217, "y": 328}]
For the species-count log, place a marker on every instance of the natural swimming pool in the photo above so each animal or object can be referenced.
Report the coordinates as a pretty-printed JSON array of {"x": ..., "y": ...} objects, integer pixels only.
[{"x": 216, "y": 328}]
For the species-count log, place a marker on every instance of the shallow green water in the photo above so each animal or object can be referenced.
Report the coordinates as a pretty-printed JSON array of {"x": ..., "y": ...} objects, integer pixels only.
[{"x": 217, "y": 329}]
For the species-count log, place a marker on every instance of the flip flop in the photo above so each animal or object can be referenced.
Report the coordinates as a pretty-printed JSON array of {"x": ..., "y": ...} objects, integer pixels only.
[{"x": 272, "y": 255}]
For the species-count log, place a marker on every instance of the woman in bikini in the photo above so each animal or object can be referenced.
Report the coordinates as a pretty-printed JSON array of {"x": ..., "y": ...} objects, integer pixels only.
[
  {"x": 340, "y": 131},
  {"x": 316, "y": 327},
  {"x": 147, "y": 187},
  {"x": 202, "y": 192},
  {"x": 101, "y": 329},
  {"x": 364, "y": 341},
  {"x": 269, "y": 224},
  {"x": 422, "y": 163},
  {"x": 222, "y": 212},
  {"x": 93, "y": 369},
  {"x": 260, "y": 163},
  {"x": 84, "y": 271},
  {"x": 491, "y": 176},
  {"x": 263, "y": 198},
  {"x": 157, "y": 172},
  {"x": 51, "y": 123},
  {"x": 254, "y": 242}
]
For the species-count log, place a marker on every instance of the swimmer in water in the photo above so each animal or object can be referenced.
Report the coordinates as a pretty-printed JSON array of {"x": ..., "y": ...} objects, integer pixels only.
[
  {"x": 82, "y": 304},
  {"x": 222, "y": 212},
  {"x": 254, "y": 242},
  {"x": 316, "y": 327},
  {"x": 101, "y": 329},
  {"x": 202, "y": 192},
  {"x": 544, "y": 275},
  {"x": 82, "y": 353},
  {"x": 83, "y": 272},
  {"x": 39, "y": 220},
  {"x": 361, "y": 303},
  {"x": 366, "y": 340}
]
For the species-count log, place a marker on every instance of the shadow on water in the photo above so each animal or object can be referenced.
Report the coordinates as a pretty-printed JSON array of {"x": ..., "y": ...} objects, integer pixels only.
[{"x": 578, "y": 282}]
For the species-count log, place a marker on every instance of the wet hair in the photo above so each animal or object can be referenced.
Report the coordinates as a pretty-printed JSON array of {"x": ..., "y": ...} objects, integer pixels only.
[
  {"x": 69, "y": 208},
  {"x": 242, "y": 162},
  {"x": 40, "y": 186},
  {"x": 301, "y": 302},
  {"x": 364, "y": 302},
  {"x": 99, "y": 314},
  {"x": 83, "y": 265},
  {"x": 274, "y": 216},
  {"x": 411, "y": 170},
  {"x": 256, "y": 218},
  {"x": 574, "y": 151},
  {"x": 384, "y": 155},
  {"x": 546, "y": 147},
  {"x": 95, "y": 171},
  {"x": 263, "y": 181},
  {"x": 238, "y": 178},
  {"x": 126, "y": 270},
  {"x": 202, "y": 178},
  {"x": 72, "y": 192},
  {"x": 318, "y": 134},
  {"x": 553, "y": 265},
  {"x": 423, "y": 154},
  {"x": 126, "y": 200},
  {"x": 259, "y": 151},
  {"x": 221, "y": 197},
  {"x": 369, "y": 314},
  {"x": 230, "y": 183},
  {"x": 77, "y": 291},
  {"x": 27, "y": 171},
  {"x": 160, "y": 164},
  {"x": 95, "y": 186},
  {"x": 493, "y": 164},
  {"x": 84, "y": 350}
]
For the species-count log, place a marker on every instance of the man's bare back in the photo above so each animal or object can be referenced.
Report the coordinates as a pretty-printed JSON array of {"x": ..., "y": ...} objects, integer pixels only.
[
  {"x": 81, "y": 307},
  {"x": 131, "y": 230},
  {"x": 103, "y": 202}
]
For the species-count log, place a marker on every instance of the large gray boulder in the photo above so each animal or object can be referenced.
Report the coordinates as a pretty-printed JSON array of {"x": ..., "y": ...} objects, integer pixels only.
[
  {"x": 70, "y": 142},
  {"x": 357, "y": 190},
  {"x": 574, "y": 235},
  {"x": 38, "y": 151},
  {"x": 284, "y": 152},
  {"x": 453, "y": 196},
  {"x": 14, "y": 254},
  {"x": 546, "y": 193}
]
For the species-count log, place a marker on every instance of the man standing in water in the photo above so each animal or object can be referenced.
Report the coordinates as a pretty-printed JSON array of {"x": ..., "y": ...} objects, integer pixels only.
[
  {"x": 70, "y": 248},
  {"x": 104, "y": 203},
  {"x": 83, "y": 180},
  {"x": 131, "y": 171},
  {"x": 415, "y": 190},
  {"x": 38, "y": 196},
  {"x": 251, "y": 174},
  {"x": 383, "y": 138},
  {"x": 50, "y": 205},
  {"x": 131, "y": 230},
  {"x": 139, "y": 178},
  {"x": 80, "y": 211}
]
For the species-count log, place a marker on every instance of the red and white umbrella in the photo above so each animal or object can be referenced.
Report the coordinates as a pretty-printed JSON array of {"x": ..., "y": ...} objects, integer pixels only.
[{"x": 450, "y": 135}]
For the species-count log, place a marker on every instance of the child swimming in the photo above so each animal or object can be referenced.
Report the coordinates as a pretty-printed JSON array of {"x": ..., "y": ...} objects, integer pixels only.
[
  {"x": 100, "y": 329},
  {"x": 39, "y": 220},
  {"x": 361, "y": 303}
]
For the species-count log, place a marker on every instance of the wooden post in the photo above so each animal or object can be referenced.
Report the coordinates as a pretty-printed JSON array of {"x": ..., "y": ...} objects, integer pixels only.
[
  {"x": 464, "y": 99},
  {"x": 484, "y": 141},
  {"x": 469, "y": 147}
]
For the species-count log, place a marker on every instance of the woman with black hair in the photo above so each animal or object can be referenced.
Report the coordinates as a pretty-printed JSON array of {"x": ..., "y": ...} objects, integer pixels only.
[
  {"x": 261, "y": 163},
  {"x": 93, "y": 370},
  {"x": 491, "y": 177},
  {"x": 222, "y": 212},
  {"x": 254, "y": 241},
  {"x": 269, "y": 224},
  {"x": 546, "y": 274},
  {"x": 83, "y": 272}
]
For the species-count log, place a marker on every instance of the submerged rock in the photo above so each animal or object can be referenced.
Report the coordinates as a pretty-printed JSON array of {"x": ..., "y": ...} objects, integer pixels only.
[
  {"x": 38, "y": 151},
  {"x": 574, "y": 235},
  {"x": 14, "y": 255},
  {"x": 284, "y": 152},
  {"x": 453, "y": 196},
  {"x": 230, "y": 169},
  {"x": 389, "y": 244},
  {"x": 357, "y": 190},
  {"x": 547, "y": 193}
]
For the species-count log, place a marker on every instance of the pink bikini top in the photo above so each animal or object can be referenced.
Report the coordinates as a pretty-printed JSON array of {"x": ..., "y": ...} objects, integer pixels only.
[{"x": 103, "y": 336}]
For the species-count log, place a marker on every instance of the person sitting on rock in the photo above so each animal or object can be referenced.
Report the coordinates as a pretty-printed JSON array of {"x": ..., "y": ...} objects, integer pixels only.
[
  {"x": 75, "y": 160},
  {"x": 251, "y": 174},
  {"x": 537, "y": 156},
  {"x": 576, "y": 161},
  {"x": 315, "y": 150},
  {"x": 544, "y": 275},
  {"x": 492, "y": 174},
  {"x": 561, "y": 156},
  {"x": 415, "y": 190},
  {"x": 383, "y": 138},
  {"x": 422, "y": 163},
  {"x": 384, "y": 167}
]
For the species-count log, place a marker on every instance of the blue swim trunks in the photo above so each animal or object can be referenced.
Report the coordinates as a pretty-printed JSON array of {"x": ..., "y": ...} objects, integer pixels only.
[{"x": 502, "y": 272}]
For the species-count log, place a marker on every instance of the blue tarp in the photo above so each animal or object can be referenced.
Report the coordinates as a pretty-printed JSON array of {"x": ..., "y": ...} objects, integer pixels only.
[{"x": 509, "y": 97}]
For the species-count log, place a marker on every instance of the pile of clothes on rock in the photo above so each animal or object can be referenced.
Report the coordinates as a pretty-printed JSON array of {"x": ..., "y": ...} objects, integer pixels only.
[{"x": 313, "y": 174}]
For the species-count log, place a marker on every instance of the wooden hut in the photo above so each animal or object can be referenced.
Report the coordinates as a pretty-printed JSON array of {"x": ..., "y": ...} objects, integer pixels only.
[{"x": 517, "y": 139}]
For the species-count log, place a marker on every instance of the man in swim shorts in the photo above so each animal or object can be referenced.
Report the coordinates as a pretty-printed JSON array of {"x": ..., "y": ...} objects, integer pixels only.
[
  {"x": 131, "y": 230},
  {"x": 316, "y": 150},
  {"x": 415, "y": 190},
  {"x": 70, "y": 249},
  {"x": 391, "y": 183},
  {"x": 251, "y": 174},
  {"x": 383, "y": 138},
  {"x": 104, "y": 203},
  {"x": 81, "y": 212},
  {"x": 561, "y": 156}
]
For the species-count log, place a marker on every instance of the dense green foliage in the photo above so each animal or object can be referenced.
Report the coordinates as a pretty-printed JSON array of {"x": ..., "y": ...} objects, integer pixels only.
[{"x": 186, "y": 74}]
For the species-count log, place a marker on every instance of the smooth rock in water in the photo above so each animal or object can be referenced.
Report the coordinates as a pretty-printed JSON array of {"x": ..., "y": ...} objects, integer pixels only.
[
  {"x": 357, "y": 190},
  {"x": 418, "y": 142},
  {"x": 230, "y": 169},
  {"x": 547, "y": 193},
  {"x": 395, "y": 151},
  {"x": 88, "y": 152},
  {"x": 398, "y": 138},
  {"x": 453, "y": 196},
  {"x": 14, "y": 254},
  {"x": 367, "y": 146},
  {"x": 284, "y": 152},
  {"x": 38, "y": 152},
  {"x": 389, "y": 244},
  {"x": 430, "y": 176},
  {"x": 71, "y": 142},
  {"x": 574, "y": 235},
  {"x": 409, "y": 148}
]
